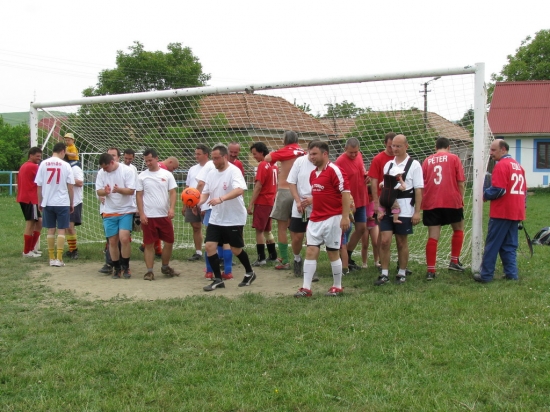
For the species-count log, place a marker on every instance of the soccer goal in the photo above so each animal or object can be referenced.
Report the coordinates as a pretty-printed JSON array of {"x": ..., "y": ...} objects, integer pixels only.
[{"x": 422, "y": 105}]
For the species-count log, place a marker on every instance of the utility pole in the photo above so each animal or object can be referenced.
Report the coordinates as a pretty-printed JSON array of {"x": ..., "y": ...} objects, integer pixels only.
[{"x": 425, "y": 92}]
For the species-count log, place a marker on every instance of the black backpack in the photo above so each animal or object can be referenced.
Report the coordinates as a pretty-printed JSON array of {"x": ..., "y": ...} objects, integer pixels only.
[{"x": 389, "y": 194}]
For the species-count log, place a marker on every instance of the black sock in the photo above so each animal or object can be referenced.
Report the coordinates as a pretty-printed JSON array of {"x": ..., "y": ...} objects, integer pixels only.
[
  {"x": 116, "y": 264},
  {"x": 215, "y": 264},
  {"x": 125, "y": 262},
  {"x": 272, "y": 251},
  {"x": 261, "y": 251},
  {"x": 350, "y": 252},
  {"x": 243, "y": 258}
]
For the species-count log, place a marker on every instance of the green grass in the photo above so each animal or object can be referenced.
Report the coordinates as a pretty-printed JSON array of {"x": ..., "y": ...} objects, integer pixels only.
[{"x": 451, "y": 344}]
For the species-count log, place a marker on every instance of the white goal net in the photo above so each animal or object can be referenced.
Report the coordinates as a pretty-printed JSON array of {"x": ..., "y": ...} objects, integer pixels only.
[{"x": 422, "y": 106}]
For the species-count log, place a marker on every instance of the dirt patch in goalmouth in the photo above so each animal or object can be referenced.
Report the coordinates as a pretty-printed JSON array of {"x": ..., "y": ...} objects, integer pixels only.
[{"x": 83, "y": 279}]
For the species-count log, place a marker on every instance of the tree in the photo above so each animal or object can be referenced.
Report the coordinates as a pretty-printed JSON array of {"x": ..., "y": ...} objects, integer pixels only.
[
  {"x": 467, "y": 121},
  {"x": 531, "y": 62},
  {"x": 345, "y": 110},
  {"x": 14, "y": 145}
]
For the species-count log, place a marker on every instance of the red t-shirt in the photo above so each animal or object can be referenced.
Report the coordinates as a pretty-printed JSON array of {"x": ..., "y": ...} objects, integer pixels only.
[
  {"x": 267, "y": 176},
  {"x": 239, "y": 164},
  {"x": 442, "y": 171},
  {"x": 162, "y": 166},
  {"x": 376, "y": 170},
  {"x": 290, "y": 151},
  {"x": 26, "y": 188},
  {"x": 355, "y": 172},
  {"x": 326, "y": 190},
  {"x": 509, "y": 175}
]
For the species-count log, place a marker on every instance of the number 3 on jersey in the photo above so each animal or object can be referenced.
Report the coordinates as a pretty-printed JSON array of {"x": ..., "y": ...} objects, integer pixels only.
[
  {"x": 54, "y": 171},
  {"x": 517, "y": 185},
  {"x": 439, "y": 176}
]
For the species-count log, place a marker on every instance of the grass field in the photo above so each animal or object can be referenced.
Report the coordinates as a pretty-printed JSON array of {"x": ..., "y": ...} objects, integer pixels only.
[{"x": 451, "y": 344}]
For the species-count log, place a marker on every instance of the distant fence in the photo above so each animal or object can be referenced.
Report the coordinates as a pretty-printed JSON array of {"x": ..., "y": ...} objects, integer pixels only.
[{"x": 8, "y": 182}]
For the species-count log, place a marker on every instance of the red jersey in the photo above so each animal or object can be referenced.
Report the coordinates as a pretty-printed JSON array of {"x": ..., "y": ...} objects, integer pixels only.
[
  {"x": 267, "y": 176},
  {"x": 239, "y": 164},
  {"x": 509, "y": 175},
  {"x": 289, "y": 152},
  {"x": 326, "y": 189},
  {"x": 26, "y": 188},
  {"x": 355, "y": 172},
  {"x": 162, "y": 166},
  {"x": 376, "y": 170},
  {"x": 442, "y": 171}
]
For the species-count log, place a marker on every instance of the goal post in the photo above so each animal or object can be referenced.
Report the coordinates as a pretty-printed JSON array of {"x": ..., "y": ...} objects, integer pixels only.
[{"x": 422, "y": 104}]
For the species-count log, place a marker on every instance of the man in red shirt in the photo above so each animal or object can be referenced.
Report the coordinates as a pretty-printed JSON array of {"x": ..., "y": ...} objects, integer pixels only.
[
  {"x": 234, "y": 148},
  {"x": 261, "y": 202},
  {"x": 351, "y": 162},
  {"x": 329, "y": 217},
  {"x": 507, "y": 194},
  {"x": 27, "y": 196},
  {"x": 282, "y": 210},
  {"x": 443, "y": 202}
]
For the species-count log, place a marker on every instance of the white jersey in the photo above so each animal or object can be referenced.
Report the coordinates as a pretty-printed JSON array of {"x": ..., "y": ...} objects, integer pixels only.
[
  {"x": 123, "y": 177},
  {"x": 155, "y": 187},
  {"x": 217, "y": 184},
  {"x": 194, "y": 171},
  {"x": 78, "y": 192},
  {"x": 201, "y": 176},
  {"x": 299, "y": 175},
  {"x": 414, "y": 179},
  {"x": 53, "y": 176}
]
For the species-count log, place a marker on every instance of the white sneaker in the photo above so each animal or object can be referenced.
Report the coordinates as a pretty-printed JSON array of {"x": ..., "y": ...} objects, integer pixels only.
[
  {"x": 37, "y": 252},
  {"x": 56, "y": 262},
  {"x": 365, "y": 266},
  {"x": 31, "y": 254}
]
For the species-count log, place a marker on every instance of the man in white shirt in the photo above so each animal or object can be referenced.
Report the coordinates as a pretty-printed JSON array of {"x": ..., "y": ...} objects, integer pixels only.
[
  {"x": 55, "y": 182},
  {"x": 75, "y": 219},
  {"x": 156, "y": 202},
  {"x": 225, "y": 186},
  {"x": 117, "y": 183}
]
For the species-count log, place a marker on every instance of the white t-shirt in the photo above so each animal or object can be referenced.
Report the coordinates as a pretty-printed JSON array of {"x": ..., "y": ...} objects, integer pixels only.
[
  {"x": 123, "y": 177},
  {"x": 414, "y": 179},
  {"x": 78, "y": 192},
  {"x": 53, "y": 176},
  {"x": 155, "y": 187},
  {"x": 299, "y": 175},
  {"x": 217, "y": 184},
  {"x": 194, "y": 171},
  {"x": 201, "y": 176}
]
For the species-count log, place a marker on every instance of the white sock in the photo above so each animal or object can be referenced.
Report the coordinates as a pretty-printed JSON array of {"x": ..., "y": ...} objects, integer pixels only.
[
  {"x": 309, "y": 270},
  {"x": 337, "y": 273},
  {"x": 198, "y": 252},
  {"x": 297, "y": 258}
]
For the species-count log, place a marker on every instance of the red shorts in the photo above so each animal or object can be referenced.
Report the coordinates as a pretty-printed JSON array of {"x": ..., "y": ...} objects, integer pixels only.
[
  {"x": 260, "y": 217},
  {"x": 158, "y": 228}
]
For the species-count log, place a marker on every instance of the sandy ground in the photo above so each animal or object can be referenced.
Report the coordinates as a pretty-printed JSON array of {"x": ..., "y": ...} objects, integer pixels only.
[{"x": 83, "y": 279}]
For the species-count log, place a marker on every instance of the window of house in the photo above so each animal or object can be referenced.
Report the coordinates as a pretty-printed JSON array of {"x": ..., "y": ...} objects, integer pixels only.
[{"x": 543, "y": 155}]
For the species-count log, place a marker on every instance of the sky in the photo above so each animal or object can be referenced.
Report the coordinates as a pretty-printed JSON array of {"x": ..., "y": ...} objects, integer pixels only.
[{"x": 51, "y": 51}]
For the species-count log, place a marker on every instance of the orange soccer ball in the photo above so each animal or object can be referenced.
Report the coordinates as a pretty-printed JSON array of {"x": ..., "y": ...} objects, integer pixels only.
[{"x": 190, "y": 197}]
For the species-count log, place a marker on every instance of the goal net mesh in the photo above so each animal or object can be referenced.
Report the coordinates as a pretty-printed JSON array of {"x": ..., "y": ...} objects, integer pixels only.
[{"x": 420, "y": 108}]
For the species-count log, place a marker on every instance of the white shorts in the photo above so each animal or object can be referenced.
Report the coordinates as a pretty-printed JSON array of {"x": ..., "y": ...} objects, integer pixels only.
[{"x": 327, "y": 231}]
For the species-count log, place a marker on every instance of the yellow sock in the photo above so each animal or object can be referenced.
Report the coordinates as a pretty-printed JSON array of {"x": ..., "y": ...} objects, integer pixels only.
[
  {"x": 51, "y": 246},
  {"x": 60, "y": 244}
]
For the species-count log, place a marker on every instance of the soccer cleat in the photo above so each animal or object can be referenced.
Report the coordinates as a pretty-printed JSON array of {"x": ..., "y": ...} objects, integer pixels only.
[
  {"x": 208, "y": 275},
  {"x": 297, "y": 268},
  {"x": 315, "y": 277},
  {"x": 31, "y": 254},
  {"x": 430, "y": 276},
  {"x": 149, "y": 276},
  {"x": 400, "y": 279},
  {"x": 345, "y": 271},
  {"x": 68, "y": 254},
  {"x": 169, "y": 272},
  {"x": 456, "y": 266},
  {"x": 259, "y": 262},
  {"x": 116, "y": 275},
  {"x": 126, "y": 273},
  {"x": 227, "y": 276},
  {"x": 37, "y": 252},
  {"x": 195, "y": 256},
  {"x": 141, "y": 248},
  {"x": 353, "y": 266},
  {"x": 56, "y": 262},
  {"x": 282, "y": 266},
  {"x": 303, "y": 293},
  {"x": 216, "y": 284},
  {"x": 272, "y": 259},
  {"x": 478, "y": 278},
  {"x": 334, "y": 291},
  {"x": 382, "y": 280},
  {"x": 248, "y": 279},
  {"x": 107, "y": 269}
]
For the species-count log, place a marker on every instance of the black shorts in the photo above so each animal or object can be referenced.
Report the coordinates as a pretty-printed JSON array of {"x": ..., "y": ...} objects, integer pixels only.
[
  {"x": 225, "y": 234},
  {"x": 30, "y": 211},
  {"x": 403, "y": 228},
  {"x": 76, "y": 216},
  {"x": 297, "y": 225},
  {"x": 442, "y": 216}
]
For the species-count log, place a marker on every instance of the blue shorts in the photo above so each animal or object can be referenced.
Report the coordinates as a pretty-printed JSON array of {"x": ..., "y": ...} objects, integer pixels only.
[
  {"x": 52, "y": 215},
  {"x": 206, "y": 218},
  {"x": 404, "y": 228},
  {"x": 114, "y": 224},
  {"x": 360, "y": 215}
]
